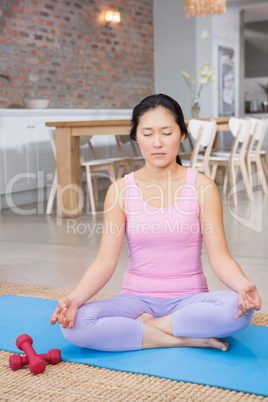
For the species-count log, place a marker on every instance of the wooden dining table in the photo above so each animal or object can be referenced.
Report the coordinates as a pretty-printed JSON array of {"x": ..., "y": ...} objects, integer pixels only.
[{"x": 69, "y": 177}]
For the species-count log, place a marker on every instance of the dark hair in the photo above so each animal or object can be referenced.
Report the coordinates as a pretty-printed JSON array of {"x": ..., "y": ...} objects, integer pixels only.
[{"x": 152, "y": 102}]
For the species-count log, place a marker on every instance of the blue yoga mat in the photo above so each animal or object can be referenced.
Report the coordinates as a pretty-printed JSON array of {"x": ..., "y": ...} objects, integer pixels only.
[{"x": 243, "y": 368}]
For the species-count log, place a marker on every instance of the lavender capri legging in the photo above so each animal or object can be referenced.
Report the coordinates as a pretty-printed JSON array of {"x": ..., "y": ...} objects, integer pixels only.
[{"x": 110, "y": 324}]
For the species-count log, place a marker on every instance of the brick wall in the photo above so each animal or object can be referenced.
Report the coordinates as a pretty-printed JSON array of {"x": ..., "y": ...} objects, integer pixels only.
[{"x": 59, "y": 50}]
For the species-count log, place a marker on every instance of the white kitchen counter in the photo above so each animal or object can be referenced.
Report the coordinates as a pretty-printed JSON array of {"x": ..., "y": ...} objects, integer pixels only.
[
  {"x": 92, "y": 114},
  {"x": 26, "y": 160}
]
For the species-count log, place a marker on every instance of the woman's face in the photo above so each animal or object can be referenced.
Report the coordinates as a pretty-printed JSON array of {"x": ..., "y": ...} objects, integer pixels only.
[{"x": 159, "y": 137}]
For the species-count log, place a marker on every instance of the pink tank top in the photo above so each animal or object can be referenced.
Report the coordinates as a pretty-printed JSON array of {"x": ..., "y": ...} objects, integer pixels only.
[{"x": 165, "y": 244}]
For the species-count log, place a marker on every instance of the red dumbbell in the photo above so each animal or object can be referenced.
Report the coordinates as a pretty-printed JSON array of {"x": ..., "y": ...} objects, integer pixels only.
[
  {"x": 36, "y": 363},
  {"x": 16, "y": 361}
]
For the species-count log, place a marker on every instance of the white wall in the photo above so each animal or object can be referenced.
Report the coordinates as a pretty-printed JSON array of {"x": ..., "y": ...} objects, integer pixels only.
[
  {"x": 204, "y": 38},
  {"x": 186, "y": 44},
  {"x": 175, "y": 50},
  {"x": 226, "y": 34}
]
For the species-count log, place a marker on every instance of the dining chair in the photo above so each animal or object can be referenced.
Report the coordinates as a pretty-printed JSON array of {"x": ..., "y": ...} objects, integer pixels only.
[
  {"x": 254, "y": 151},
  {"x": 264, "y": 153},
  {"x": 121, "y": 163},
  {"x": 234, "y": 159},
  {"x": 53, "y": 190},
  {"x": 186, "y": 147},
  {"x": 203, "y": 134},
  {"x": 134, "y": 160},
  {"x": 91, "y": 167}
]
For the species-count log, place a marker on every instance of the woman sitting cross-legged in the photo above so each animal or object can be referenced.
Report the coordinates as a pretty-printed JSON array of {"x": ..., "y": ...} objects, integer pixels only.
[{"x": 166, "y": 211}]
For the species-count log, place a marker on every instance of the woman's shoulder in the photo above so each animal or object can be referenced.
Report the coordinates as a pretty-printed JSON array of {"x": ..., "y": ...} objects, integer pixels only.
[
  {"x": 116, "y": 188},
  {"x": 116, "y": 193},
  {"x": 203, "y": 180},
  {"x": 207, "y": 191},
  {"x": 114, "y": 199}
]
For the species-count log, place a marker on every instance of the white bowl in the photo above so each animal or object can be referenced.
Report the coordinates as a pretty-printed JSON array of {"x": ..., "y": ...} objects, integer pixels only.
[{"x": 35, "y": 103}]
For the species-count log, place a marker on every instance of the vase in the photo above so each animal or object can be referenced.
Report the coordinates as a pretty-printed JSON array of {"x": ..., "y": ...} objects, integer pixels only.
[{"x": 195, "y": 109}]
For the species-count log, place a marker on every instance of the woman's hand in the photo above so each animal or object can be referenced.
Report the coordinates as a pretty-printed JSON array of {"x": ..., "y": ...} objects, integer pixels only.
[
  {"x": 248, "y": 298},
  {"x": 65, "y": 313}
]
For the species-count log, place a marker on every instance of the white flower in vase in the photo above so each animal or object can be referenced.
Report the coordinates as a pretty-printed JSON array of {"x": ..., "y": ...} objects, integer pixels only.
[{"x": 206, "y": 76}]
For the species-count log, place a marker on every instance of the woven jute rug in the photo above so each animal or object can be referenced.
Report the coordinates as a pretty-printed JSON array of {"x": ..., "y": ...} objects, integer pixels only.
[{"x": 77, "y": 382}]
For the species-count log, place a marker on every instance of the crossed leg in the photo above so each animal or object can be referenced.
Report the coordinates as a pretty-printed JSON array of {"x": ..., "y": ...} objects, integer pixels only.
[
  {"x": 196, "y": 322},
  {"x": 119, "y": 323},
  {"x": 158, "y": 333}
]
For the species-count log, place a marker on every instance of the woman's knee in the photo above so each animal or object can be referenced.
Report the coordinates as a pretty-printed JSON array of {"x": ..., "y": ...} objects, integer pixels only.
[
  {"x": 233, "y": 305},
  {"x": 231, "y": 301},
  {"x": 236, "y": 324},
  {"x": 82, "y": 323},
  {"x": 227, "y": 309},
  {"x": 245, "y": 320},
  {"x": 227, "y": 300}
]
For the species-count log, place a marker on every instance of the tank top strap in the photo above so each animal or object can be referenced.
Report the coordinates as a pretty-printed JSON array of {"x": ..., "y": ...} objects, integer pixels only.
[
  {"x": 191, "y": 176},
  {"x": 130, "y": 179},
  {"x": 132, "y": 194},
  {"x": 189, "y": 200}
]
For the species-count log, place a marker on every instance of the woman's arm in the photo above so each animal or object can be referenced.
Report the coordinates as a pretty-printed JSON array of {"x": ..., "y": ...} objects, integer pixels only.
[
  {"x": 224, "y": 266},
  {"x": 102, "y": 268}
]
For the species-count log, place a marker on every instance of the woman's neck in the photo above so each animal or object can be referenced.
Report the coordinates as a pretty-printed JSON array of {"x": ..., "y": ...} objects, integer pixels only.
[{"x": 155, "y": 174}]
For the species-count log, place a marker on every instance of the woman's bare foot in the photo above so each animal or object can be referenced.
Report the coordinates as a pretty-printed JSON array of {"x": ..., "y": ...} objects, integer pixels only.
[
  {"x": 213, "y": 343},
  {"x": 172, "y": 341},
  {"x": 145, "y": 317}
]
